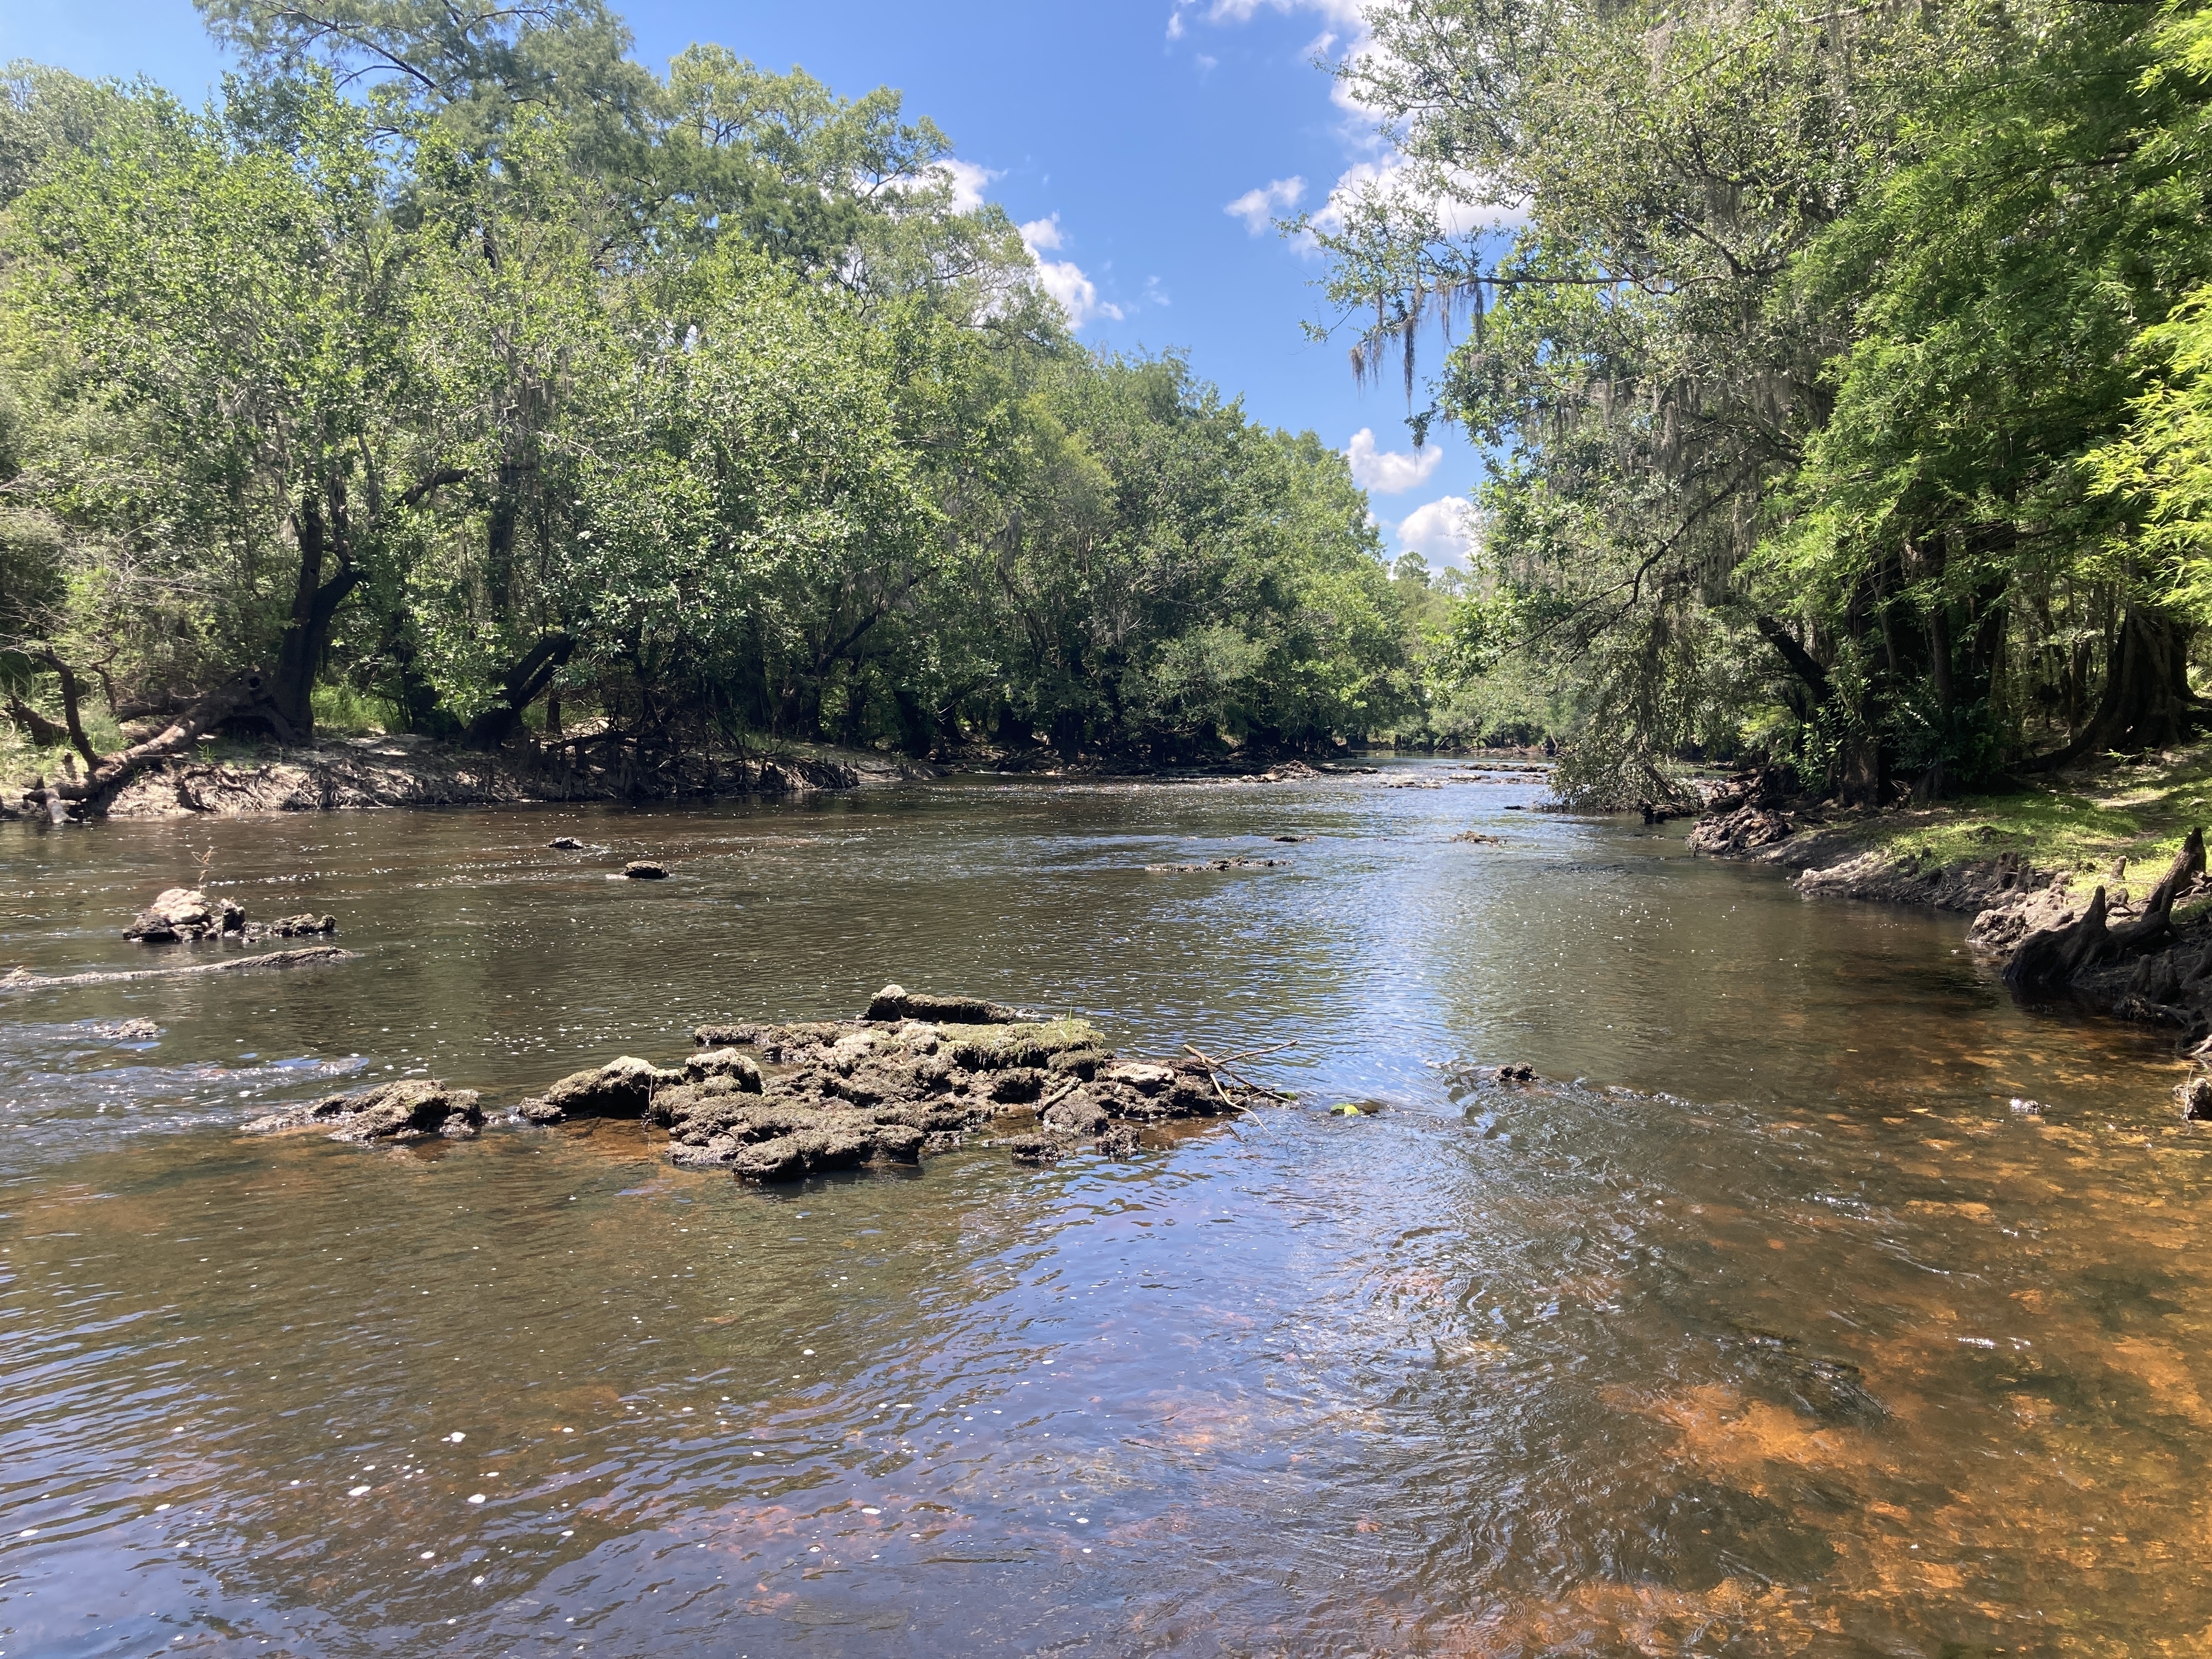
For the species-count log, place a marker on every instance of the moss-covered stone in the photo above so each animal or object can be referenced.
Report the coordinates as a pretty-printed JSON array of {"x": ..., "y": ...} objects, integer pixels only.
[{"x": 988, "y": 1048}]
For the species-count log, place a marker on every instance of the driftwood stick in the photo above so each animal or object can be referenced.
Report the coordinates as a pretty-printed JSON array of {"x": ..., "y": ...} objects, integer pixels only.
[
  {"x": 1248, "y": 1053},
  {"x": 1212, "y": 1076},
  {"x": 1060, "y": 1094},
  {"x": 1216, "y": 1070},
  {"x": 22, "y": 979},
  {"x": 1242, "y": 1082}
]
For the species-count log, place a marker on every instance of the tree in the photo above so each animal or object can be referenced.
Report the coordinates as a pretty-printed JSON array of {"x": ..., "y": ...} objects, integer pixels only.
[
  {"x": 207, "y": 312},
  {"x": 1790, "y": 367}
]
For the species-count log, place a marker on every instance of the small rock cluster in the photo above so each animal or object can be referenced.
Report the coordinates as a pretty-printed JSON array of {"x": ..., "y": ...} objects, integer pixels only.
[
  {"x": 912, "y": 1078},
  {"x": 181, "y": 913},
  {"x": 186, "y": 913},
  {"x": 409, "y": 1110}
]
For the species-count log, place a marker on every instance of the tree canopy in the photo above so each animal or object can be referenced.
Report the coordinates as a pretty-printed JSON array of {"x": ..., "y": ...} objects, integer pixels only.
[
  {"x": 1839, "y": 372},
  {"x": 454, "y": 367}
]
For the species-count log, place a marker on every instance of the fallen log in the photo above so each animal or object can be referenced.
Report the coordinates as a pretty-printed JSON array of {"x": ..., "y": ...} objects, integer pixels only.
[
  {"x": 21, "y": 979},
  {"x": 106, "y": 778}
]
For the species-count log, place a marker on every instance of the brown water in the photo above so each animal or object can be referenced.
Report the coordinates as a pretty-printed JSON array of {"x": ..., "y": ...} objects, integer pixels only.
[{"x": 1778, "y": 1333}]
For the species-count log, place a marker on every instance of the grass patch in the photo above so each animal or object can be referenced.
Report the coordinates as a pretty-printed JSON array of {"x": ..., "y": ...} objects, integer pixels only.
[{"x": 2139, "y": 810}]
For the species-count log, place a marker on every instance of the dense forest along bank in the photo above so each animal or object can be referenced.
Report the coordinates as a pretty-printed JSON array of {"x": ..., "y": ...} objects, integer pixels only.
[{"x": 1759, "y": 1318}]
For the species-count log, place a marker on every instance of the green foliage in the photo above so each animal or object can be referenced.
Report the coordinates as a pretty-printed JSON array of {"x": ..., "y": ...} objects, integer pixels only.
[
  {"x": 455, "y": 364},
  {"x": 1842, "y": 381}
]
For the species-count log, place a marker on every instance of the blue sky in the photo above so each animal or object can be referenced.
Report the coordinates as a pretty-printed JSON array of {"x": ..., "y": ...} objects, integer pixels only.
[{"x": 1144, "y": 143}]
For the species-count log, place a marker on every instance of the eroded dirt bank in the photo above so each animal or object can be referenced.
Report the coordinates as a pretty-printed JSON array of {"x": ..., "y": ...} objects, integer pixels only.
[{"x": 362, "y": 773}]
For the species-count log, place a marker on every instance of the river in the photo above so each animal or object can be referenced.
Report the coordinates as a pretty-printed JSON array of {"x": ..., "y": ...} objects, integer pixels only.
[{"x": 1778, "y": 1329}]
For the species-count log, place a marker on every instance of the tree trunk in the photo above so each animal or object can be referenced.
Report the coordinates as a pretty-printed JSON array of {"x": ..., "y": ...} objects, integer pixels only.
[
  {"x": 36, "y": 727},
  {"x": 72, "y": 720},
  {"x": 1801, "y": 662},
  {"x": 519, "y": 688},
  {"x": 2146, "y": 703},
  {"x": 290, "y": 708},
  {"x": 247, "y": 694},
  {"x": 2156, "y": 920},
  {"x": 2058, "y": 954}
]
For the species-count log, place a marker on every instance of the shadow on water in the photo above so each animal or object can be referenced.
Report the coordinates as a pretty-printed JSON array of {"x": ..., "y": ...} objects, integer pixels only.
[{"x": 1773, "y": 1330}]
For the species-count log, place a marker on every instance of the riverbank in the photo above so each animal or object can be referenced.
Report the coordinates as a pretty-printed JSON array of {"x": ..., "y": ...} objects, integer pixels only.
[
  {"x": 233, "y": 780},
  {"x": 230, "y": 779},
  {"x": 2098, "y": 857}
]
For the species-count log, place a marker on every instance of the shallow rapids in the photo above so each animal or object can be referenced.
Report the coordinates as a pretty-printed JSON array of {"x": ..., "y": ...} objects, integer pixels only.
[{"x": 1775, "y": 1328}]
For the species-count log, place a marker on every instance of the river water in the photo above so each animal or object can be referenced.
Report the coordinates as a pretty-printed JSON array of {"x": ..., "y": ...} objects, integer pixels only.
[{"x": 1776, "y": 1330}]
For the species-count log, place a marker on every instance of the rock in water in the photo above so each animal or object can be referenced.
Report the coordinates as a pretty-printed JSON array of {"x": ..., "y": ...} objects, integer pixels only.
[
  {"x": 129, "y": 1030},
  {"x": 411, "y": 1109},
  {"x": 299, "y": 927},
  {"x": 644, "y": 870},
  {"x": 622, "y": 1088},
  {"x": 566, "y": 844},
  {"x": 2196, "y": 1099},
  {"x": 776, "y": 1103},
  {"x": 185, "y": 913},
  {"x": 897, "y": 1002}
]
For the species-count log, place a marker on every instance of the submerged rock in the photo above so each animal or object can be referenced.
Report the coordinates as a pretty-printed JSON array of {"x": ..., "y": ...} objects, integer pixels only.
[
  {"x": 303, "y": 925},
  {"x": 185, "y": 913},
  {"x": 411, "y": 1109},
  {"x": 1505, "y": 1075},
  {"x": 129, "y": 1030},
  {"x": 1217, "y": 864}
]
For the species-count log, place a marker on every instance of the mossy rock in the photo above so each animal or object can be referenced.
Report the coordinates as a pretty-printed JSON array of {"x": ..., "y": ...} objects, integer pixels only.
[{"x": 989, "y": 1048}]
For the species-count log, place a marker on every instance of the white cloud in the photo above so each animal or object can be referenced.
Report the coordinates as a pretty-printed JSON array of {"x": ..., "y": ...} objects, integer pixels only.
[
  {"x": 1445, "y": 531},
  {"x": 1389, "y": 472},
  {"x": 1063, "y": 279},
  {"x": 1078, "y": 294},
  {"x": 1258, "y": 208},
  {"x": 968, "y": 181},
  {"x": 1343, "y": 13},
  {"x": 1456, "y": 200}
]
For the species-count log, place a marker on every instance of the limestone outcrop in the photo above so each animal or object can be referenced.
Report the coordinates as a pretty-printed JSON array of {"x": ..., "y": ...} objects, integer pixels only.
[{"x": 917, "y": 1075}]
